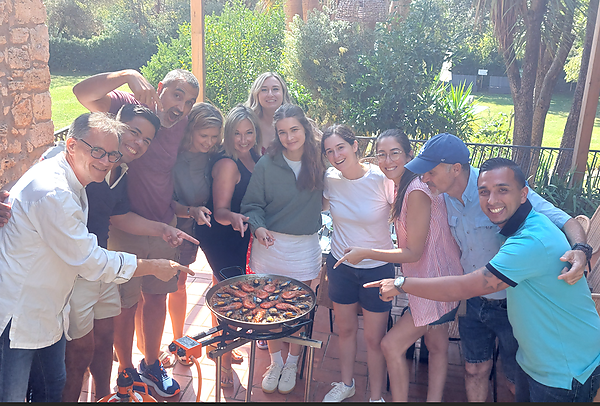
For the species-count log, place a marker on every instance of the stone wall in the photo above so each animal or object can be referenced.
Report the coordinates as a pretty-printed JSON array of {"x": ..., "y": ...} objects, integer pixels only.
[{"x": 26, "y": 128}]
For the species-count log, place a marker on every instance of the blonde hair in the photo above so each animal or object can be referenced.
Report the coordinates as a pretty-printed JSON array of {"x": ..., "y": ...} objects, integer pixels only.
[
  {"x": 252, "y": 101},
  {"x": 203, "y": 115},
  {"x": 235, "y": 116}
]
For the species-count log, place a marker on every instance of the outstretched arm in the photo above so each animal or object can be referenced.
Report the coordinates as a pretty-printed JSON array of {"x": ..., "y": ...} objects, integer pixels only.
[
  {"x": 93, "y": 92},
  {"x": 133, "y": 223},
  {"x": 444, "y": 288},
  {"x": 163, "y": 269}
]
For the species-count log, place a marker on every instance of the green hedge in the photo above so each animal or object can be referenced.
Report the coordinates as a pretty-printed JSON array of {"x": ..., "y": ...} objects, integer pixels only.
[{"x": 100, "y": 54}]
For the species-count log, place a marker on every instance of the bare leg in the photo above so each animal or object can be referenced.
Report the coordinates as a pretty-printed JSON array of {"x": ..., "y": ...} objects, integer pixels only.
[
  {"x": 124, "y": 325},
  {"x": 477, "y": 380},
  {"x": 346, "y": 321},
  {"x": 78, "y": 355},
  {"x": 375, "y": 326},
  {"x": 436, "y": 339},
  {"x": 177, "y": 302},
  {"x": 153, "y": 324},
  {"x": 101, "y": 365},
  {"x": 274, "y": 346},
  {"x": 139, "y": 317},
  {"x": 394, "y": 346}
]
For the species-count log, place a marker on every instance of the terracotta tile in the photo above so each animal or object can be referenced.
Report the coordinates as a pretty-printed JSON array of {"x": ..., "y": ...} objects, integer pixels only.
[
  {"x": 321, "y": 321},
  {"x": 455, "y": 354},
  {"x": 361, "y": 356},
  {"x": 333, "y": 347}
]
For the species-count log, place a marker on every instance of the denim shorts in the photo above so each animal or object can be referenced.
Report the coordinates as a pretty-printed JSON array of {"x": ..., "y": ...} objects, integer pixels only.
[
  {"x": 528, "y": 389},
  {"x": 346, "y": 285},
  {"x": 484, "y": 321}
]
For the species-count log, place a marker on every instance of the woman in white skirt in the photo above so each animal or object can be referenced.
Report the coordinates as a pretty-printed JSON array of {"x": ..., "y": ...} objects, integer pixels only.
[{"x": 283, "y": 202}]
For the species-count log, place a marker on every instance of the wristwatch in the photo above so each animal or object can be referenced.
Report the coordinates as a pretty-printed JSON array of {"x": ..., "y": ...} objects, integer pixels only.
[{"x": 398, "y": 283}]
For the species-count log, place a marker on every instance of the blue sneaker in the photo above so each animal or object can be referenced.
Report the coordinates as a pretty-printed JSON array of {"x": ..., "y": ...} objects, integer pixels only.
[
  {"x": 156, "y": 377},
  {"x": 142, "y": 367}
]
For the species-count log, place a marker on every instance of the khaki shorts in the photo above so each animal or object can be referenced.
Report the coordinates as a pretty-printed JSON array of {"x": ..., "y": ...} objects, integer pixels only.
[
  {"x": 143, "y": 247},
  {"x": 91, "y": 300}
]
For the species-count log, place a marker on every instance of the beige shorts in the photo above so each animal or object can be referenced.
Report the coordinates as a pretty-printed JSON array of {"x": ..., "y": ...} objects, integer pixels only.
[
  {"x": 143, "y": 247},
  {"x": 91, "y": 300}
]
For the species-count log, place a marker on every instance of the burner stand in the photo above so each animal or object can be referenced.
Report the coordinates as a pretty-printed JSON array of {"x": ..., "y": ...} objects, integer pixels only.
[{"x": 239, "y": 337}]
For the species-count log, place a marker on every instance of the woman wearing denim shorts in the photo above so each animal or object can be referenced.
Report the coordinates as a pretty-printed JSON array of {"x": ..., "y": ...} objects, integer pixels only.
[
  {"x": 425, "y": 249},
  {"x": 359, "y": 197}
]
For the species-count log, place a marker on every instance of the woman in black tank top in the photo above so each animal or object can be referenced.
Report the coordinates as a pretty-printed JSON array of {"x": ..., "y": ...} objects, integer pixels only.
[{"x": 225, "y": 243}]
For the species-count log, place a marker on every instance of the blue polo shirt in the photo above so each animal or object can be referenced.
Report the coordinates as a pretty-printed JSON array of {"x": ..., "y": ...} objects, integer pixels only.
[
  {"x": 477, "y": 236},
  {"x": 556, "y": 324}
]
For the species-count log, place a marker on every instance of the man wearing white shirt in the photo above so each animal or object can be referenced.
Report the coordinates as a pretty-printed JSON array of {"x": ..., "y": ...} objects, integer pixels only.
[{"x": 44, "y": 246}]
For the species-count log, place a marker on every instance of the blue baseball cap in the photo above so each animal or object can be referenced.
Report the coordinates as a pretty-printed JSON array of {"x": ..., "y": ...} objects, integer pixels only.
[{"x": 443, "y": 148}]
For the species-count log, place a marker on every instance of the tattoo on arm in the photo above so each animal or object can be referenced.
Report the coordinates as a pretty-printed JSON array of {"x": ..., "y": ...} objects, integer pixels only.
[{"x": 491, "y": 283}]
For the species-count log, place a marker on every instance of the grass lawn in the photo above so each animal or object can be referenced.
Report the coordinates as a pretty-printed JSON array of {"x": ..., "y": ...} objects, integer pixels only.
[
  {"x": 555, "y": 120},
  {"x": 65, "y": 106}
]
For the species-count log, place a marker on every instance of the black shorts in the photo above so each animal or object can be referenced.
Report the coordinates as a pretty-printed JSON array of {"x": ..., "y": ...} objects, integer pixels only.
[{"x": 346, "y": 285}]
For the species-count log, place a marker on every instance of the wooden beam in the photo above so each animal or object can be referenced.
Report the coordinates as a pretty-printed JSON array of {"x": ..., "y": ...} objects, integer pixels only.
[
  {"x": 197, "y": 28},
  {"x": 588, "y": 109}
]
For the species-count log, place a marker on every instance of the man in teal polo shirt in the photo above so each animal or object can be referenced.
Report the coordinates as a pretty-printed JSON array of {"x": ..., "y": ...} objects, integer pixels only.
[{"x": 556, "y": 324}]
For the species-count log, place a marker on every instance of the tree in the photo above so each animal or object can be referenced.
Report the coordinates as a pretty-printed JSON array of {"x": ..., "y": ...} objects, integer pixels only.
[
  {"x": 535, "y": 38},
  {"x": 568, "y": 139}
]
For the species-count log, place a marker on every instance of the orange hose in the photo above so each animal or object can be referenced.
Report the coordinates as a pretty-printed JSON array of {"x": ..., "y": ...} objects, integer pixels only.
[{"x": 199, "y": 377}]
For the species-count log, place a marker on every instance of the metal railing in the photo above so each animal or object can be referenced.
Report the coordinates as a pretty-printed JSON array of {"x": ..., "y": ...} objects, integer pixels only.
[
  {"x": 538, "y": 163},
  {"x": 61, "y": 135}
]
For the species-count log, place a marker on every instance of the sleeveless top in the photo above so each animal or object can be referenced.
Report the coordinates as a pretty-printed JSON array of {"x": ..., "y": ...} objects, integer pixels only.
[
  {"x": 218, "y": 230},
  {"x": 441, "y": 255}
]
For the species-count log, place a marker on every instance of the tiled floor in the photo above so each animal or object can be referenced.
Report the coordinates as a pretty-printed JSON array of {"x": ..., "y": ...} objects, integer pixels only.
[{"x": 325, "y": 368}]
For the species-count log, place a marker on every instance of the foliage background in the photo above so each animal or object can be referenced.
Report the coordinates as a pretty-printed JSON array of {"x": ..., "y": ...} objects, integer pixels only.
[{"x": 240, "y": 44}]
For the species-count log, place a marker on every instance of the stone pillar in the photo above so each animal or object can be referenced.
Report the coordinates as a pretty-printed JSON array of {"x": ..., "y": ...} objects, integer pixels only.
[{"x": 26, "y": 127}]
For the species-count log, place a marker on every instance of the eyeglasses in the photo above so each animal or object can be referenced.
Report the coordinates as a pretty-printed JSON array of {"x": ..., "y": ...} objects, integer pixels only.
[
  {"x": 394, "y": 156},
  {"x": 98, "y": 153}
]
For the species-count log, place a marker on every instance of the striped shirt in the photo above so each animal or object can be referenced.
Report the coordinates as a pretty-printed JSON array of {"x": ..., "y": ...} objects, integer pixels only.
[{"x": 441, "y": 256}]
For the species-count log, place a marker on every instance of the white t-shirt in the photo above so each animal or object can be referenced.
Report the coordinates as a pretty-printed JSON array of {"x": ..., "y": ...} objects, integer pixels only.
[
  {"x": 360, "y": 210},
  {"x": 294, "y": 165}
]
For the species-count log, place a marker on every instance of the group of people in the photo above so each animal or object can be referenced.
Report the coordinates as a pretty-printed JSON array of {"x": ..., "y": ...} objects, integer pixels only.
[{"x": 91, "y": 234}]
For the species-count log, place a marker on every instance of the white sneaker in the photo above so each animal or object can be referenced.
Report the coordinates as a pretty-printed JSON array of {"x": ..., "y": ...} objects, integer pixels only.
[
  {"x": 287, "y": 382},
  {"x": 340, "y": 392},
  {"x": 271, "y": 378},
  {"x": 381, "y": 400}
]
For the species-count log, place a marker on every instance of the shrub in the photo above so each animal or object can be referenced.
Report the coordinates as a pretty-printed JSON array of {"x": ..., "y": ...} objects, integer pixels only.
[
  {"x": 106, "y": 52},
  {"x": 323, "y": 55},
  {"x": 441, "y": 108},
  {"x": 495, "y": 130},
  {"x": 573, "y": 199},
  {"x": 90, "y": 37},
  {"x": 240, "y": 44},
  {"x": 368, "y": 79}
]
